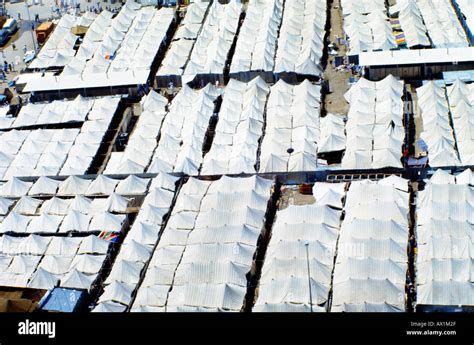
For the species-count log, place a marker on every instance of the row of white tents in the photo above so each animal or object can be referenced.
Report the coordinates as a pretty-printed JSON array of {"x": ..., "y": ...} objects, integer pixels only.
[
  {"x": 35, "y": 153},
  {"x": 207, "y": 248},
  {"x": 59, "y": 48},
  {"x": 212, "y": 46},
  {"x": 367, "y": 25},
  {"x": 444, "y": 263},
  {"x": 143, "y": 40},
  {"x": 74, "y": 185},
  {"x": 293, "y": 128},
  {"x": 437, "y": 132},
  {"x": 461, "y": 105},
  {"x": 442, "y": 23},
  {"x": 30, "y": 215},
  {"x": 371, "y": 264},
  {"x": 59, "y": 111},
  {"x": 183, "y": 131},
  {"x": 137, "y": 247},
  {"x": 183, "y": 42},
  {"x": 375, "y": 131},
  {"x": 143, "y": 140},
  {"x": 66, "y": 215},
  {"x": 49, "y": 152},
  {"x": 42, "y": 262},
  {"x": 239, "y": 128},
  {"x": 257, "y": 41},
  {"x": 301, "y": 38},
  {"x": 285, "y": 278}
]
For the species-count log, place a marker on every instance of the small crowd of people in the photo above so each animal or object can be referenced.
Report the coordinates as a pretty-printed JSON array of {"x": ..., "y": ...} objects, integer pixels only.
[{"x": 6, "y": 68}]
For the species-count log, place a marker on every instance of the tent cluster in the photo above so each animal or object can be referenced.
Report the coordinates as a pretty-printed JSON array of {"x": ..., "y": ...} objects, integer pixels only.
[
  {"x": 461, "y": 104},
  {"x": 411, "y": 22},
  {"x": 371, "y": 264},
  {"x": 239, "y": 128},
  {"x": 49, "y": 152},
  {"x": 80, "y": 214},
  {"x": 143, "y": 140},
  {"x": 180, "y": 49},
  {"x": 367, "y": 25},
  {"x": 375, "y": 131},
  {"x": 207, "y": 248},
  {"x": 256, "y": 45},
  {"x": 293, "y": 128},
  {"x": 97, "y": 32},
  {"x": 92, "y": 132},
  {"x": 184, "y": 130},
  {"x": 137, "y": 248},
  {"x": 442, "y": 23},
  {"x": 437, "y": 132},
  {"x": 42, "y": 262},
  {"x": 444, "y": 263},
  {"x": 59, "y": 111},
  {"x": 36, "y": 152},
  {"x": 101, "y": 186},
  {"x": 284, "y": 281},
  {"x": 143, "y": 39},
  {"x": 128, "y": 42},
  {"x": 301, "y": 40},
  {"x": 214, "y": 41},
  {"x": 58, "y": 50}
]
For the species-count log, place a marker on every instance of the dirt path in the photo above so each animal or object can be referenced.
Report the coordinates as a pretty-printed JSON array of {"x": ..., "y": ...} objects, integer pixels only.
[{"x": 338, "y": 81}]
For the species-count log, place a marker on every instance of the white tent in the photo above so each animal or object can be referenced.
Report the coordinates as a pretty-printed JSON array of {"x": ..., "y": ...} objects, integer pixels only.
[
  {"x": 42, "y": 279},
  {"x": 105, "y": 221},
  {"x": 73, "y": 185},
  {"x": 109, "y": 307},
  {"x": 63, "y": 246},
  {"x": 93, "y": 245},
  {"x": 15, "y": 188},
  {"x": 75, "y": 221},
  {"x": 89, "y": 264},
  {"x": 117, "y": 292},
  {"x": 125, "y": 271},
  {"x": 77, "y": 280},
  {"x": 44, "y": 223},
  {"x": 27, "y": 205},
  {"x": 14, "y": 222},
  {"x": 117, "y": 203},
  {"x": 132, "y": 185},
  {"x": 44, "y": 186},
  {"x": 5, "y": 205},
  {"x": 102, "y": 185},
  {"x": 80, "y": 203}
]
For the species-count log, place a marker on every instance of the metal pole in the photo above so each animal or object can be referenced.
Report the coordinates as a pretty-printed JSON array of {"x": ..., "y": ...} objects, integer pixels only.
[
  {"x": 306, "y": 244},
  {"x": 29, "y": 19}
]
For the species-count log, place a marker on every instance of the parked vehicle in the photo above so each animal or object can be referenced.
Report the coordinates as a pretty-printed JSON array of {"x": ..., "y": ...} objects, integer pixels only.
[
  {"x": 11, "y": 25},
  {"x": 4, "y": 37}
]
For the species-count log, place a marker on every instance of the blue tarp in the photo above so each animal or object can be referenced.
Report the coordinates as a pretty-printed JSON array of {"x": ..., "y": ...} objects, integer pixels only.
[{"x": 63, "y": 300}]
